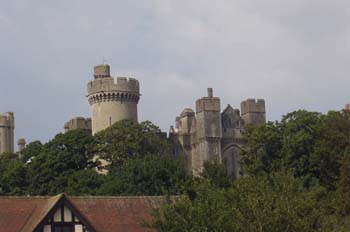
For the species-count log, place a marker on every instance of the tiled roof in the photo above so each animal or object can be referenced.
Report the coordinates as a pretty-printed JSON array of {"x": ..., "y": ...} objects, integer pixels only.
[
  {"x": 105, "y": 214},
  {"x": 18, "y": 212}
]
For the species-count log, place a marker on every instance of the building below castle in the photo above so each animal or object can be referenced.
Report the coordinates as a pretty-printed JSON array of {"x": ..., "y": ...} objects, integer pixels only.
[
  {"x": 211, "y": 135},
  {"x": 62, "y": 213}
]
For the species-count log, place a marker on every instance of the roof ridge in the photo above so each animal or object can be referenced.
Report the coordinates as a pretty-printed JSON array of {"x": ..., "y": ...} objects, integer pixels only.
[
  {"x": 26, "y": 197},
  {"x": 120, "y": 197}
]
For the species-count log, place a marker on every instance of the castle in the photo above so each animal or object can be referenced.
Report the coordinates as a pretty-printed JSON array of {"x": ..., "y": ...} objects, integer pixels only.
[
  {"x": 200, "y": 135},
  {"x": 206, "y": 134},
  {"x": 211, "y": 135}
]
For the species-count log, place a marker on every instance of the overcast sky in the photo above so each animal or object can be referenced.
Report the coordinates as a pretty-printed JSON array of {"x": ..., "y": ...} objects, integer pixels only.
[{"x": 293, "y": 53}]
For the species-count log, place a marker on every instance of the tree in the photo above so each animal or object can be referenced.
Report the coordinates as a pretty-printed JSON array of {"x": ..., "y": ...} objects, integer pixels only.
[
  {"x": 217, "y": 175},
  {"x": 146, "y": 175},
  {"x": 126, "y": 139},
  {"x": 31, "y": 150},
  {"x": 262, "y": 153},
  {"x": 276, "y": 202},
  {"x": 333, "y": 140},
  {"x": 61, "y": 157},
  {"x": 84, "y": 182},
  {"x": 284, "y": 146},
  {"x": 344, "y": 185},
  {"x": 12, "y": 175}
]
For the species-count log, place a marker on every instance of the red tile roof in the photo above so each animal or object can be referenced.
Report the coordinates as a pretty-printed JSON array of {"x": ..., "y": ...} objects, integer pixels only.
[
  {"x": 111, "y": 214},
  {"x": 105, "y": 214}
]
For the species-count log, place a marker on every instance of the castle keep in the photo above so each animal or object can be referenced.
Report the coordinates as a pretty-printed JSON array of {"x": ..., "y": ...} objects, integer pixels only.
[
  {"x": 211, "y": 135},
  {"x": 111, "y": 101}
]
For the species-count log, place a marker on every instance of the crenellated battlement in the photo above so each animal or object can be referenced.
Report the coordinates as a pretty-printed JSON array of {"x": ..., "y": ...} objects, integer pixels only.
[
  {"x": 122, "y": 84},
  {"x": 111, "y": 99},
  {"x": 106, "y": 89},
  {"x": 209, "y": 103},
  {"x": 253, "y": 106},
  {"x": 7, "y": 120}
]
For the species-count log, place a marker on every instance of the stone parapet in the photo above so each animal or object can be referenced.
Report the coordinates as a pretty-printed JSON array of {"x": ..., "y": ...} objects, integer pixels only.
[{"x": 253, "y": 106}]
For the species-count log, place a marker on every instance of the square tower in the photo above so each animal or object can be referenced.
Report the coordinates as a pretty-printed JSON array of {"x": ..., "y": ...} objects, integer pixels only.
[
  {"x": 208, "y": 131},
  {"x": 7, "y": 127}
]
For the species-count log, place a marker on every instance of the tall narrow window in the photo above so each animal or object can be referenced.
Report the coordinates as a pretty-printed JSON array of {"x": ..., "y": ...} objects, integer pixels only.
[{"x": 110, "y": 121}]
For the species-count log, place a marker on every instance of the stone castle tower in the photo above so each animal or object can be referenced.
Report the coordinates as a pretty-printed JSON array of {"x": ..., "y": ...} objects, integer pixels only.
[
  {"x": 253, "y": 112},
  {"x": 208, "y": 130},
  {"x": 111, "y": 101},
  {"x": 210, "y": 134},
  {"x": 7, "y": 127}
]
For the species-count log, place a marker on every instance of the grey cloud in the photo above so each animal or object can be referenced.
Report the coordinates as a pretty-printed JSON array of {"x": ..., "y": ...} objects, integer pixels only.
[{"x": 293, "y": 53}]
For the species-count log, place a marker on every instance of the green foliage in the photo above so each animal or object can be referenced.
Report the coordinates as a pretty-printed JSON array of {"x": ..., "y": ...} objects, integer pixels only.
[
  {"x": 308, "y": 144},
  {"x": 136, "y": 152},
  {"x": 278, "y": 202},
  {"x": 31, "y": 150},
  {"x": 85, "y": 182},
  {"x": 330, "y": 146},
  {"x": 126, "y": 139},
  {"x": 146, "y": 175},
  {"x": 344, "y": 186},
  {"x": 263, "y": 150},
  {"x": 12, "y": 175},
  {"x": 297, "y": 175},
  {"x": 217, "y": 175},
  {"x": 67, "y": 153}
]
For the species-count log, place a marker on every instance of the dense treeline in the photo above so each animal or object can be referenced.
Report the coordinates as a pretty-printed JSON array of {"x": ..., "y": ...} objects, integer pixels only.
[
  {"x": 134, "y": 158},
  {"x": 296, "y": 175},
  {"x": 297, "y": 178}
]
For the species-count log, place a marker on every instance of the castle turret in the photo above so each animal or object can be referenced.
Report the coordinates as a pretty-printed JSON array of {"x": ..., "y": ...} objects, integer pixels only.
[
  {"x": 21, "y": 143},
  {"x": 208, "y": 131},
  {"x": 111, "y": 102},
  {"x": 7, "y": 127},
  {"x": 78, "y": 123},
  {"x": 253, "y": 111}
]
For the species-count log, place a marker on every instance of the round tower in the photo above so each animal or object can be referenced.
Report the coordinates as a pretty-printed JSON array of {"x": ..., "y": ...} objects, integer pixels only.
[{"x": 111, "y": 101}]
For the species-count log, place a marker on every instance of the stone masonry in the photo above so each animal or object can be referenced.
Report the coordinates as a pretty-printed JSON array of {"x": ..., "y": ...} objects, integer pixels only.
[
  {"x": 78, "y": 123},
  {"x": 7, "y": 127},
  {"x": 209, "y": 134},
  {"x": 111, "y": 102}
]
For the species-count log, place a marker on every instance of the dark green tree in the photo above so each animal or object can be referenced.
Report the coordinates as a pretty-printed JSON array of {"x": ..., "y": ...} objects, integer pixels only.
[
  {"x": 84, "y": 182},
  {"x": 12, "y": 175},
  {"x": 126, "y": 139},
  {"x": 67, "y": 153},
  {"x": 146, "y": 175},
  {"x": 276, "y": 202},
  {"x": 217, "y": 175},
  {"x": 31, "y": 150}
]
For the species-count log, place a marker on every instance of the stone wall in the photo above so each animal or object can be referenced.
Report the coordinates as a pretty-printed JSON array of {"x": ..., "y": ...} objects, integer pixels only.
[
  {"x": 78, "y": 123},
  {"x": 7, "y": 126},
  {"x": 209, "y": 135},
  {"x": 111, "y": 102}
]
